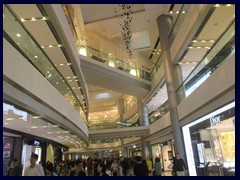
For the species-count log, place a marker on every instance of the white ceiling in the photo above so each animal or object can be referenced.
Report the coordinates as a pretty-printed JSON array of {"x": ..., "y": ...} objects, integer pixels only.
[{"x": 22, "y": 121}]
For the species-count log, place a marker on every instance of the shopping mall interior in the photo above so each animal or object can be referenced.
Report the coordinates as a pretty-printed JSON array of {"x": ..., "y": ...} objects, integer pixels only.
[{"x": 120, "y": 80}]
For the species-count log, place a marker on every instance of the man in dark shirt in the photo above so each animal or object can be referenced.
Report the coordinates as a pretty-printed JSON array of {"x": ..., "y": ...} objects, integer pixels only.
[
  {"x": 79, "y": 170},
  {"x": 14, "y": 170},
  {"x": 179, "y": 165},
  {"x": 139, "y": 168}
]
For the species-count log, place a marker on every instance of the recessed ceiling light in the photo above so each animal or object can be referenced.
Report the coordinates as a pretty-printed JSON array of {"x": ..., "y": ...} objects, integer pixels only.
[
  {"x": 18, "y": 35},
  {"x": 9, "y": 119},
  {"x": 33, "y": 19},
  {"x": 6, "y": 123},
  {"x": 35, "y": 117}
]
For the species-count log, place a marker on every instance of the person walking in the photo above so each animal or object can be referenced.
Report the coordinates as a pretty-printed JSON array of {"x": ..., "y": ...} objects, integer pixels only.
[
  {"x": 14, "y": 170},
  {"x": 78, "y": 169},
  {"x": 179, "y": 166},
  {"x": 34, "y": 169},
  {"x": 157, "y": 167}
]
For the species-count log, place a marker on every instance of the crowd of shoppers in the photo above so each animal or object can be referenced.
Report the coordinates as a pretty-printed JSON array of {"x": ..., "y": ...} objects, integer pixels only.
[{"x": 96, "y": 167}]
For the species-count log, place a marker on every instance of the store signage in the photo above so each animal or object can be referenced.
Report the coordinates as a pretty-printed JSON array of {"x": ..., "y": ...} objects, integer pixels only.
[{"x": 214, "y": 120}]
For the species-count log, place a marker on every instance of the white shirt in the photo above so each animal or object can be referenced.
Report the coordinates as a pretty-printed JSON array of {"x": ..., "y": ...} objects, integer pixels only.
[{"x": 36, "y": 171}]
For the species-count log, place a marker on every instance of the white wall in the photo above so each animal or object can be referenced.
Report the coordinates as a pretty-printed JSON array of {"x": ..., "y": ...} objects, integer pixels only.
[{"x": 220, "y": 83}]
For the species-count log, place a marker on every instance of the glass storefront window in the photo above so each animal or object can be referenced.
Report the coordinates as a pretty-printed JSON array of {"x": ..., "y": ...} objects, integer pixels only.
[{"x": 210, "y": 141}]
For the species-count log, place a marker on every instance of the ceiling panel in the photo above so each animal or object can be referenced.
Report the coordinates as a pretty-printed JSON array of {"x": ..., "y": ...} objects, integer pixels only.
[
  {"x": 26, "y": 10},
  {"x": 41, "y": 32},
  {"x": 56, "y": 55},
  {"x": 218, "y": 23},
  {"x": 194, "y": 55}
]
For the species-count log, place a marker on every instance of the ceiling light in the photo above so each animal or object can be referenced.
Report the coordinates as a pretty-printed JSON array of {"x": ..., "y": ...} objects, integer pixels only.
[
  {"x": 70, "y": 80},
  {"x": 18, "y": 35},
  {"x": 33, "y": 127},
  {"x": 22, "y": 20},
  {"x": 170, "y": 12},
  {"x": 228, "y": 5},
  {"x": 6, "y": 123},
  {"x": 35, "y": 117},
  {"x": 69, "y": 64},
  {"x": 44, "y": 18},
  {"x": 194, "y": 41},
  {"x": 9, "y": 119},
  {"x": 73, "y": 88},
  {"x": 183, "y": 12},
  {"x": 33, "y": 19},
  {"x": 177, "y": 12},
  {"x": 50, "y": 46},
  {"x": 56, "y": 82},
  {"x": 61, "y": 64}
]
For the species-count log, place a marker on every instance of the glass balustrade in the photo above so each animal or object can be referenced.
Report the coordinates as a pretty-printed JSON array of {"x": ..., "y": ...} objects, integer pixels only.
[
  {"x": 17, "y": 35},
  {"x": 103, "y": 57},
  {"x": 160, "y": 112},
  {"x": 219, "y": 52}
]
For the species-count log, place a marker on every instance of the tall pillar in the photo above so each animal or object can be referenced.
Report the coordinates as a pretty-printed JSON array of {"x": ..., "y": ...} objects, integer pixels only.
[
  {"x": 121, "y": 109},
  {"x": 126, "y": 152},
  {"x": 164, "y": 28},
  {"x": 122, "y": 148},
  {"x": 143, "y": 145},
  {"x": 143, "y": 113}
]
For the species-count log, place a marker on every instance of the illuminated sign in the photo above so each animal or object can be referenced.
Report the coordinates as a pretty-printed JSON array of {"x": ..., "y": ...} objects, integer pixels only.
[{"x": 214, "y": 120}]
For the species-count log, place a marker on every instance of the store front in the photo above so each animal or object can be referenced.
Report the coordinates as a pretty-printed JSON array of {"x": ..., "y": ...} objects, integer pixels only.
[
  {"x": 210, "y": 143},
  {"x": 165, "y": 152}
]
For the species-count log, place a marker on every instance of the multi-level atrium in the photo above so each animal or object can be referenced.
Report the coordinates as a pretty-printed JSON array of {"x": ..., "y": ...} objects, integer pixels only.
[{"x": 114, "y": 80}]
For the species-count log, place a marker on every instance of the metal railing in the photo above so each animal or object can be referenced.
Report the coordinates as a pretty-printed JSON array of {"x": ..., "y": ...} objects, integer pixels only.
[
  {"x": 103, "y": 57},
  {"x": 220, "y": 51}
]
